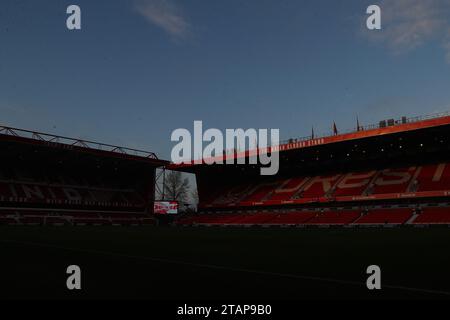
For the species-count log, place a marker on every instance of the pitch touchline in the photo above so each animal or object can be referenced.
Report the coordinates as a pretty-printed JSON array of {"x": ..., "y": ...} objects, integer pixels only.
[{"x": 217, "y": 267}]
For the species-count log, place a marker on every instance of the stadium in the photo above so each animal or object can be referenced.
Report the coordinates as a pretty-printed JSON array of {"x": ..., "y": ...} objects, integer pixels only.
[
  {"x": 354, "y": 202},
  {"x": 374, "y": 194}
]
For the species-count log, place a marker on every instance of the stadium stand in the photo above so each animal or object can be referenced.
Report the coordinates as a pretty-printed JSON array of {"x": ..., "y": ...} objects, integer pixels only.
[
  {"x": 398, "y": 174},
  {"x": 435, "y": 177},
  {"x": 69, "y": 217},
  {"x": 53, "y": 180}
]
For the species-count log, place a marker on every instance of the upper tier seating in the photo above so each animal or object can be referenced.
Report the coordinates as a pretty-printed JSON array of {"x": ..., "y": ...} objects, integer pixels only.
[
  {"x": 388, "y": 183},
  {"x": 65, "y": 187},
  {"x": 287, "y": 189},
  {"x": 434, "y": 177},
  {"x": 259, "y": 193},
  {"x": 38, "y": 193},
  {"x": 393, "y": 180},
  {"x": 353, "y": 183},
  {"x": 318, "y": 186}
]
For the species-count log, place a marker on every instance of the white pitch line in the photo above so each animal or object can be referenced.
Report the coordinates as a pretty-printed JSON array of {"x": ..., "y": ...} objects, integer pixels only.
[{"x": 218, "y": 267}]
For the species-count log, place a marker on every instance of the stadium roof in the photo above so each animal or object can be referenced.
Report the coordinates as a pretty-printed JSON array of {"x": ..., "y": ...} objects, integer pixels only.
[
  {"x": 34, "y": 138},
  {"x": 383, "y": 130}
]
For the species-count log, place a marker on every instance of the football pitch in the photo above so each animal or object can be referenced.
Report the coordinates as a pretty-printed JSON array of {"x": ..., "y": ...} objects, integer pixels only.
[{"x": 199, "y": 263}]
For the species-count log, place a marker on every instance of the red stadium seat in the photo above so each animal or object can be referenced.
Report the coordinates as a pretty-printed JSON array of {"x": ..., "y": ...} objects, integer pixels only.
[
  {"x": 8, "y": 220},
  {"x": 55, "y": 220},
  {"x": 90, "y": 221},
  {"x": 334, "y": 217},
  {"x": 433, "y": 216},
  {"x": 230, "y": 195},
  {"x": 354, "y": 184},
  {"x": 393, "y": 180},
  {"x": 259, "y": 193},
  {"x": 319, "y": 186},
  {"x": 434, "y": 177},
  {"x": 38, "y": 192},
  {"x": 387, "y": 183},
  {"x": 287, "y": 189},
  {"x": 254, "y": 218},
  {"x": 294, "y": 218},
  {"x": 385, "y": 216}
]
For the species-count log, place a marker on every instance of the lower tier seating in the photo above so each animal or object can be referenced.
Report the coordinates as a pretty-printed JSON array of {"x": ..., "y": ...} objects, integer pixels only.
[
  {"x": 42, "y": 217},
  {"x": 334, "y": 217},
  {"x": 433, "y": 216},
  {"x": 383, "y": 216},
  {"x": 363, "y": 216}
]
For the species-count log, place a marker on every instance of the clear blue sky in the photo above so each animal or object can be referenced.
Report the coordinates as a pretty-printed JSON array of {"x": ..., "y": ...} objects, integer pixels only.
[{"x": 139, "y": 69}]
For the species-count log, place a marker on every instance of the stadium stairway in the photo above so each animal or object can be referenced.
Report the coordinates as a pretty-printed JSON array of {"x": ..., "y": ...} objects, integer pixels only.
[
  {"x": 390, "y": 216},
  {"x": 412, "y": 219}
]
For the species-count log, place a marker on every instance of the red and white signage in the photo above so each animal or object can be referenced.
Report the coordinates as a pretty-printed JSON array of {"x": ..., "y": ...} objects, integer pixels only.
[{"x": 165, "y": 207}]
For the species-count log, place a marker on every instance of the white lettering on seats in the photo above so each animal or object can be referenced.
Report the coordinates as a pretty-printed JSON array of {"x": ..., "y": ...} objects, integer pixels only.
[
  {"x": 353, "y": 180},
  {"x": 327, "y": 182},
  {"x": 297, "y": 186},
  {"x": 32, "y": 191},
  {"x": 72, "y": 194},
  {"x": 439, "y": 172},
  {"x": 387, "y": 175}
]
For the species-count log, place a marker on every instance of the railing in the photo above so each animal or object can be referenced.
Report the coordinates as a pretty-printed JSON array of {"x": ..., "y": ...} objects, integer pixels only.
[
  {"x": 371, "y": 126},
  {"x": 392, "y": 122},
  {"x": 75, "y": 142}
]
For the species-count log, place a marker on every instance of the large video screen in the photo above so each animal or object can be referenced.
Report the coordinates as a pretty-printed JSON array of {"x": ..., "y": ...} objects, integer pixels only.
[{"x": 165, "y": 207}]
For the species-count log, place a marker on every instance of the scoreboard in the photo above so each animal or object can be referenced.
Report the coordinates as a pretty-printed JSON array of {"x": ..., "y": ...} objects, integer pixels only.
[{"x": 165, "y": 207}]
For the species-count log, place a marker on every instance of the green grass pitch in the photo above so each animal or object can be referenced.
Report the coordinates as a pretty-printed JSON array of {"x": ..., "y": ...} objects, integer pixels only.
[{"x": 188, "y": 263}]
